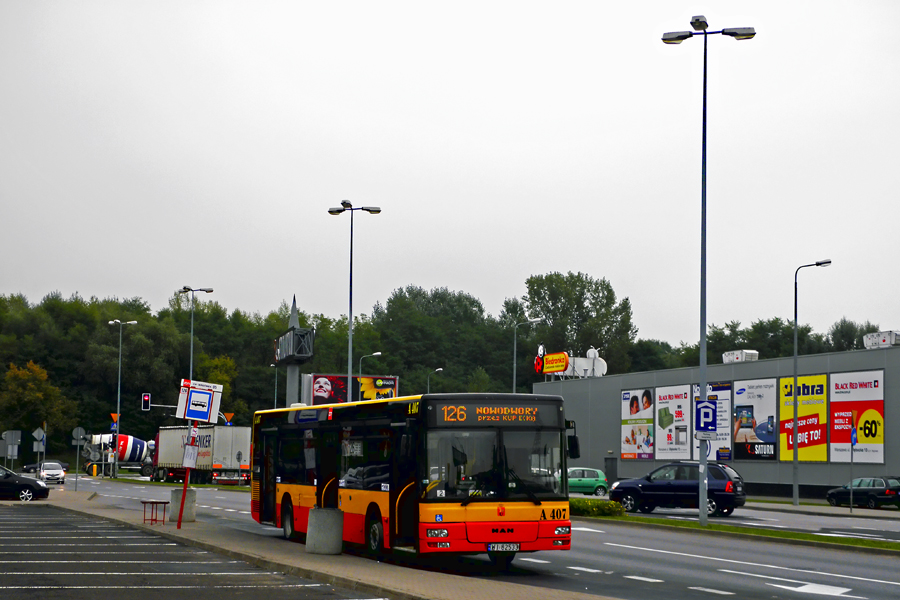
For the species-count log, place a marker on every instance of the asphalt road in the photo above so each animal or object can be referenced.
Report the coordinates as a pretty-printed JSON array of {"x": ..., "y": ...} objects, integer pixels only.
[{"x": 631, "y": 562}]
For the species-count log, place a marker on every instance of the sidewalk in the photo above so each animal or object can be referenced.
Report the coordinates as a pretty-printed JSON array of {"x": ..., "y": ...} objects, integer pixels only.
[{"x": 344, "y": 570}]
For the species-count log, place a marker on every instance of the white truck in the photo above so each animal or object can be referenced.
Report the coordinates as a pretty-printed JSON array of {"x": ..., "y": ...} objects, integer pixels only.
[{"x": 223, "y": 456}]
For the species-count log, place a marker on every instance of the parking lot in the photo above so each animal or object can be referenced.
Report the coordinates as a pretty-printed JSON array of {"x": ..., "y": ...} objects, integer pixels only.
[{"x": 46, "y": 552}]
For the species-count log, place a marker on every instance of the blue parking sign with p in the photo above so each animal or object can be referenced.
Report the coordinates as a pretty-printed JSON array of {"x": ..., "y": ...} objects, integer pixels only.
[{"x": 705, "y": 415}]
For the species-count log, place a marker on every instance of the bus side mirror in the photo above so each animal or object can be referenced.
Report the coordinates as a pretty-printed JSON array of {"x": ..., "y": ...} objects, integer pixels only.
[{"x": 574, "y": 448}]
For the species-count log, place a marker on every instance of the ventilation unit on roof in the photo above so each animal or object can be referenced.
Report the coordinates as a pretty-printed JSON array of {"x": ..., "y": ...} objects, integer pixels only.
[{"x": 740, "y": 356}]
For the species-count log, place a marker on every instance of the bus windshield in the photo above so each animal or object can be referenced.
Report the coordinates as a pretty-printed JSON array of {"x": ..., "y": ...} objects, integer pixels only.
[{"x": 493, "y": 464}]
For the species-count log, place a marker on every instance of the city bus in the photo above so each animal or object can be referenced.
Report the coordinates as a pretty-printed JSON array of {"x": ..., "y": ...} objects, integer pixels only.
[{"x": 429, "y": 474}]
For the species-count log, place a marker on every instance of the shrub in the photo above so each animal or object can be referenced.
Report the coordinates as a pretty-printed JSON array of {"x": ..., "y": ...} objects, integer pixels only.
[{"x": 583, "y": 507}]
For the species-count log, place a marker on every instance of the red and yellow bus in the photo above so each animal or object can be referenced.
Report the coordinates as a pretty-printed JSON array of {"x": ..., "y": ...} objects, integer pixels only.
[{"x": 430, "y": 474}]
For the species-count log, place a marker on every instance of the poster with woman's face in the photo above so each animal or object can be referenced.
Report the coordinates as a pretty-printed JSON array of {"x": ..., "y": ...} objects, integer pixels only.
[
  {"x": 637, "y": 424},
  {"x": 329, "y": 389},
  {"x": 332, "y": 389}
]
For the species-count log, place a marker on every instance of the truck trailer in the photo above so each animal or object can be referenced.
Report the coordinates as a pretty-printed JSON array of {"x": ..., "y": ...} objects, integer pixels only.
[{"x": 223, "y": 456}]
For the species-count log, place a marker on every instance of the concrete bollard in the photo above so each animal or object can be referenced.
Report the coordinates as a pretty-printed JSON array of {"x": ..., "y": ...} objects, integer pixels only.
[
  {"x": 190, "y": 506},
  {"x": 325, "y": 531}
]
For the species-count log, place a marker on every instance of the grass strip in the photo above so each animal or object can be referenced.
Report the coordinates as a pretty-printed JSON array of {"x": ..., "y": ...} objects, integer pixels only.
[{"x": 760, "y": 532}]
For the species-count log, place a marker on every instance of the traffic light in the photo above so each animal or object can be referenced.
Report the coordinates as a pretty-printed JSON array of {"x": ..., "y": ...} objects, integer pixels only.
[{"x": 145, "y": 401}]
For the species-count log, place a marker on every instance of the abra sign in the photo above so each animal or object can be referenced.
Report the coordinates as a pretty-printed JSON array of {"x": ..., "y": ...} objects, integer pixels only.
[{"x": 550, "y": 363}]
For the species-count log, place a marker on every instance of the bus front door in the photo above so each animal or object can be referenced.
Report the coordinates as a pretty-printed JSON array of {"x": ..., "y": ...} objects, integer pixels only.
[
  {"x": 328, "y": 463},
  {"x": 267, "y": 485}
]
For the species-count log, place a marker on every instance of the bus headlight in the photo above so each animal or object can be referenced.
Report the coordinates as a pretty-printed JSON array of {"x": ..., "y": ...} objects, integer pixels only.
[
  {"x": 436, "y": 533},
  {"x": 563, "y": 530}
]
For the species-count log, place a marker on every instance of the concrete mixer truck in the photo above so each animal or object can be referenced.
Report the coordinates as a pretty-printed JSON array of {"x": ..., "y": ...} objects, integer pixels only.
[{"x": 100, "y": 452}]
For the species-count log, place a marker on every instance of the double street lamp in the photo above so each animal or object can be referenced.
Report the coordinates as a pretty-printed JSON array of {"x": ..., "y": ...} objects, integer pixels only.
[
  {"x": 121, "y": 325},
  {"x": 700, "y": 25},
  {"x": 796, "y": 445},
  {"x": 347, "y": 207},
  {"x": 188, "y": 289},
  {"x": 515, "y": 349},
  {"x": 360, "y": 372},
  {"x": 428, "y": 387}
]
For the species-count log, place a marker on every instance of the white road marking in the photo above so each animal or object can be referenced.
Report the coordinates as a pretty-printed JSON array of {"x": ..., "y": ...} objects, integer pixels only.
[
  {"x": 712, "y": 591},
  {"x": 809, "y": 588},
  {"x": 585, "y": 569},
  {"x": 587, "y": 529},
  {"x": 535, "y": 560},
  {"x": 761, "y": 525},
  {"x": 746, "y": 563},
  {"x": 157, "y": 574},
  {"x": 647, "y": 579},
  {"x": 859, "y": 536}
]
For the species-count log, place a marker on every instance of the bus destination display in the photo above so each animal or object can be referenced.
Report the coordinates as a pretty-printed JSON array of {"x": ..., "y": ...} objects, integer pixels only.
[{"x": 469, "y": 414}]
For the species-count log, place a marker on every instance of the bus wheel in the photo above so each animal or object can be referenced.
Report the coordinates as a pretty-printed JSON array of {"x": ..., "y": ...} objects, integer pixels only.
[
  {"x": 501, "y": 560},
  {"x": 287, "y": 522},
  {"x": 374, "y": 534}
]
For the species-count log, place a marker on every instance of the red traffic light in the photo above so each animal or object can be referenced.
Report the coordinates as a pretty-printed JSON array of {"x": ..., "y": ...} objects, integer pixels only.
[{"x": 145, "y": 401}]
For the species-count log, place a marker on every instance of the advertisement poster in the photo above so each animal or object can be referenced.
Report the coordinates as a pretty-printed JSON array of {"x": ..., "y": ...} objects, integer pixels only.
[
  {"x": 755, "y": 419},
  {"x": 812, "y": 419},
  {"x": 673, "y": 422},
  {"x": 332, "y": 389},
  {"x": 637, "y": 424},
  {"x": 720, "y": 448},
  {"x": 857, "y": 398}
]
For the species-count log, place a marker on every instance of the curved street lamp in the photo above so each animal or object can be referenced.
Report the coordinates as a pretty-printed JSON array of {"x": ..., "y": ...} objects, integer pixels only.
[
  {"x": 121, "y": 325},
  {"x": 188, "y": 289},
  {"x": 515, "y": 340},
  {"x": 796, "y": 449},
  {"x": 346, "y": 206},
  {"x": 700, "y": 25},
  {"x": 438, "y": 370},
  {"x": 360, "y": 371}
]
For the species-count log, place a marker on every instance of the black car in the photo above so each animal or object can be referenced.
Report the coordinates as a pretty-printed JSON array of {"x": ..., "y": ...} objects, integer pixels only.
[
  {"x": 21, "y": 487},
  {"x": 677, "y": 485},
  {"x": 867, "y": 491}
]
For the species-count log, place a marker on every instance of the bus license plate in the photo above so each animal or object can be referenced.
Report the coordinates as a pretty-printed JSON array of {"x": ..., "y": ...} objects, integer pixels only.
[{"x": 503, "y": 547}]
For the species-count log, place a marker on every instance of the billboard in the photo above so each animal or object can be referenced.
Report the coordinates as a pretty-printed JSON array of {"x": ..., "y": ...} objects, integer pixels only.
[
  {"x": 755, "y": 419},
  {"x": 637, "y": 424},
  {"x": 812, "y": 419},
  {"x": 720, "y": 393},
  {"x": 857, "y": 399},
  {"x": 332, "y": 389},
  {"x": 673, "y": 422}
]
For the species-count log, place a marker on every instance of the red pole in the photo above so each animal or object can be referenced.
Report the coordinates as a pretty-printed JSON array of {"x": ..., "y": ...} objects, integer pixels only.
[{"x": 187, "y": 476}]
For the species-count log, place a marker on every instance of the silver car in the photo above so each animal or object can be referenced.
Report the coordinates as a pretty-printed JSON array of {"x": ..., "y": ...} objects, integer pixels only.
[{"x": 52, "y": 472}]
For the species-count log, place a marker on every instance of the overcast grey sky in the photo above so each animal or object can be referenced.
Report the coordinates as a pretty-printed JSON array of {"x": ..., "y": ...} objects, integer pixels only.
[{"x": 145, "y": 146}]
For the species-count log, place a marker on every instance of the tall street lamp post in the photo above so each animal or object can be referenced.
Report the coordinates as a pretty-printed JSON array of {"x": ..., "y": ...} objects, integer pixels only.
[
  {"x": 515, "y": 349},
  {"x": 795, "y": 445},
  {"x": 360, "y": 371},
  {"x": 188, "y": 289},
  {"x": 428, "y": 388},
  {"x": 276, "y": 384},
  {"x": 700, "y": 25},
  {"x": 121, "y": 325},
  {"x": 347, "y": 207}
]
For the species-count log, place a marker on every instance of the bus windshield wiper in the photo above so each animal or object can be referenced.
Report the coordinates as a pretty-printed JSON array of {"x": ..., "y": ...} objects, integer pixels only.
[{"x": 531, "y": 495}]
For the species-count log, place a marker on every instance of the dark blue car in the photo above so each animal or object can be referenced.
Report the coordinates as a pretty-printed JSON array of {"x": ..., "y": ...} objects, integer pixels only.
[{"x": 677, "y": 485}]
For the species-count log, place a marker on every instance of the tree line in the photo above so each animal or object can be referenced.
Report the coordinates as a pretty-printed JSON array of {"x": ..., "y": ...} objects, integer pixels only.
[{"x": 60, "y": 356}]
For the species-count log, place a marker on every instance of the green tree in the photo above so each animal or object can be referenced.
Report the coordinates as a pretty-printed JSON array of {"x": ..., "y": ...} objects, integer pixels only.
[
  {"x": 28, "y": 400},
  {"x": 580, "y": 312},
  {"x": 479, "y": 381},
  {"x": 848, "y": 335}
]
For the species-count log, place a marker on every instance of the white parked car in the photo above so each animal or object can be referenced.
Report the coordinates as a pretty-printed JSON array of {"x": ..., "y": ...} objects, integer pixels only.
[{"x": 52, "y": 472}]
